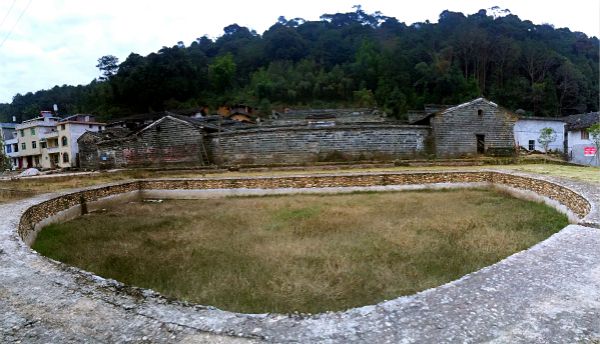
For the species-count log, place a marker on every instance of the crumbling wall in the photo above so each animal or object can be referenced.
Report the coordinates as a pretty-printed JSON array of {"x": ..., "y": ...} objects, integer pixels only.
[{"x": 168, "y": 142}]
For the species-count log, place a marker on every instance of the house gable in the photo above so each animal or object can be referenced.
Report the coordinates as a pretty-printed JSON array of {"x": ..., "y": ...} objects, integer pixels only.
[{"x": 457, "y": 129}]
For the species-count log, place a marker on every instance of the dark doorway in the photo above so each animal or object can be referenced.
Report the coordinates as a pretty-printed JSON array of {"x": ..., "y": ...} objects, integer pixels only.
[{"x": 480, "y": 143}]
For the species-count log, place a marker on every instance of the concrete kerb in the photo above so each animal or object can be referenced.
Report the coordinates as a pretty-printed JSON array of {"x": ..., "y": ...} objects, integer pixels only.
[{"x": 333, "y": 327}]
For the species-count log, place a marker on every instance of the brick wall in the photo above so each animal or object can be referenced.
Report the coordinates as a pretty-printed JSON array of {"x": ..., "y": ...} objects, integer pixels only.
[
  {"x": 301, "y": 144},
  {"x": 454, "y": 130}
]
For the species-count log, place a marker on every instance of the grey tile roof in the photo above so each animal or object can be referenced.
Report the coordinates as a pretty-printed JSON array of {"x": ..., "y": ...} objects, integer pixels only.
[{"x": 582, "y": 121}]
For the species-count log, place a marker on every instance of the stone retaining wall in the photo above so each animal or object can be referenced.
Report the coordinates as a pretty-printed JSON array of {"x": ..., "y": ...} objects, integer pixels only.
[{"x": 38, "y": 213}]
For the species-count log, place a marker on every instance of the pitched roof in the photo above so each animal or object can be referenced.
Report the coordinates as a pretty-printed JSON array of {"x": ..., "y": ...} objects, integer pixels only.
[
  {"x": 582, "y": 121},
  {"x": 468, "y": 104},
  {"x": 432, "y": 110}
]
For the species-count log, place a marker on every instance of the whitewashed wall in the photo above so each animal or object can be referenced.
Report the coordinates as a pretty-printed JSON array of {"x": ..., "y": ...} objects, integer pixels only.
[{"x": 529, "y": 129}]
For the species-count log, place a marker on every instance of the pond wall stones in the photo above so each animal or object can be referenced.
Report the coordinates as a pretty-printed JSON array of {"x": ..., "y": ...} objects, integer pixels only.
[
  {"x": 33, "y": 217},
  {"x": 548, "y": 293}
]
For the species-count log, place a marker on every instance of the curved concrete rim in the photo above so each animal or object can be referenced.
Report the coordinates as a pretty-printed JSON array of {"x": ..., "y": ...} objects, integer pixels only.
[{"x": 490, "y": 304}]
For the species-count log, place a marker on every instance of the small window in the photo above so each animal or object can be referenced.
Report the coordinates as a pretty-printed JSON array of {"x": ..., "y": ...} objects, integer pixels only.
[
  {"x": 65, "y": 157},
  {"x": 62, "y": 127},
  {"x": 23, "y": 146},
  {"x": 33, "y": 144},
  {"x": 32, "y": 131},
  {"x": 531, "y": 145},
  {"x": 22, "y": 133},
  {"x": 64, "y": 141},
  {"x": 585, "y": 135},
  {"x": 43, "y": 145},
  {"x": 8, "y": 149},
  {"x": 480, "y": 113}
]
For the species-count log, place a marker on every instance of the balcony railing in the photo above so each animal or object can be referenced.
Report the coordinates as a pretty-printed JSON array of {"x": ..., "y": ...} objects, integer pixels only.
[
  {"x": 51, "y": 150},
  {"x": 48, "y": 135}
]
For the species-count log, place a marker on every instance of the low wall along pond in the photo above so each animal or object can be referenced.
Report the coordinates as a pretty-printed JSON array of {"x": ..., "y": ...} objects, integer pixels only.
[{"x": 71, "y": 205}]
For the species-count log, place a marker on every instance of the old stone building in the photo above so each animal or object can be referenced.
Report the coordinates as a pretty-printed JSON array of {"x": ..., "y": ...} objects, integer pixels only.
[
  {"x": 477, "y": 127},
  {"x": 171, "y": 140}
]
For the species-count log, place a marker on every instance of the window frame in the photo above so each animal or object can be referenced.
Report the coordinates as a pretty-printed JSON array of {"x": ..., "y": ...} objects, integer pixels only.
[{"x": 585, "y": 135}]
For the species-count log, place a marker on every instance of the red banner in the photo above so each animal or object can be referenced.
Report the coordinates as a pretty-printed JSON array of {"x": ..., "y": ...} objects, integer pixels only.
[{"x": 589, "y": 151}]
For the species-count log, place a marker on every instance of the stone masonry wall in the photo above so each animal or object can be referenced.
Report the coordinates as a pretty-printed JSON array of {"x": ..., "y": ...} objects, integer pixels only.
[
  {"x": 53, "y": 206},
  {"x": 302, "y": 144},
  {"x": 575, "y": 202},
  {"x": 455, "y": 131},
  {"x": 170, "y": 142}
]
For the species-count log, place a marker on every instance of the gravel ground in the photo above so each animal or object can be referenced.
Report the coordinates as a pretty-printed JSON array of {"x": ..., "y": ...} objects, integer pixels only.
[{"x": 549, "y": 293}]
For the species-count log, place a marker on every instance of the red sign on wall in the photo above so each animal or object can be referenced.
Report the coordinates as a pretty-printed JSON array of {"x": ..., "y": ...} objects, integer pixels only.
[{"x": 589, "y": 151}]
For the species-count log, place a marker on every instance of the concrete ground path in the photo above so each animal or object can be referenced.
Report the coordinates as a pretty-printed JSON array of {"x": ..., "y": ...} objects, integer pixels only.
[{"x": 549, "y": 293}]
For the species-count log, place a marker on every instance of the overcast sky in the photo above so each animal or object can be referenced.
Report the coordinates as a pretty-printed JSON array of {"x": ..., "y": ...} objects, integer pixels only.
[{"x": 58, "y": 42}]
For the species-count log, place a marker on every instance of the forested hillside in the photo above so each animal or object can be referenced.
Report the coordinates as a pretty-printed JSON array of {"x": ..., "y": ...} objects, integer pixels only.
[{"x": 347, "y": 59}]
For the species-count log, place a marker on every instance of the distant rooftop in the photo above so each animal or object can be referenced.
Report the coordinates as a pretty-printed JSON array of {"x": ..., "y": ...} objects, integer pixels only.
[{"x": 582, "y": 121}]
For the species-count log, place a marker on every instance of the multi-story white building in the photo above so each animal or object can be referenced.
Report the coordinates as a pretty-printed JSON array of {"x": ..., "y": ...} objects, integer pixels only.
[
  {"x": 48, "y": 142},
  {"x": 8, "y": 137},
  {"x": 69, "y": 130},
  {"x": 33, "y": 136}
]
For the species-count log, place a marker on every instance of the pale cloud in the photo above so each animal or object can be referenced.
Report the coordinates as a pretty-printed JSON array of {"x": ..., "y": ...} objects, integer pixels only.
[{"x": 58, "y": 41}]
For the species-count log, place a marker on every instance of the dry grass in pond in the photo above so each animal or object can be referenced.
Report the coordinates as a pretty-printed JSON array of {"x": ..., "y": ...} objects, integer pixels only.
[{"x": 307, "y": 253}]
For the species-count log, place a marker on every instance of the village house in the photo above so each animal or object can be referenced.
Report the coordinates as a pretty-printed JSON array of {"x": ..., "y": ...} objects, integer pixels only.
[
  {"x": 476, "y": 127},
  {"x": 30, "y": 135},
  {"x": 238, "y": 112},
  {"x": 581, "y": 148},
  {"x": 8, "y": 136},
  {"x": 170, "y": 140},
  {"x": 527, "y": 131},
  {"x": 46, "y": 142},
  {"x": 326, "y": 117},
  {"x": 64, "y": 152}
]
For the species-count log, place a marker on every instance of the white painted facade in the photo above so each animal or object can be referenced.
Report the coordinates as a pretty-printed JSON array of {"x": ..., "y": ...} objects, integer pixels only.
[
  {"x": 577, "y": 138},
  {"x": 69, "y": 130},
  {"x": 527, "y": 132},
  {"x": 577, "y": 144}
]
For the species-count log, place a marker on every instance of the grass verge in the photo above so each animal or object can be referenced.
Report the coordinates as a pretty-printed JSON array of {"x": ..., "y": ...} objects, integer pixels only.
[{"x": 306, "y": 253}]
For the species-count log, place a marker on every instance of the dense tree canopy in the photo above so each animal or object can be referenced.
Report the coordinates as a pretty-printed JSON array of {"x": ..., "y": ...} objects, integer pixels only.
[{"x": 347, "y": 59}]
